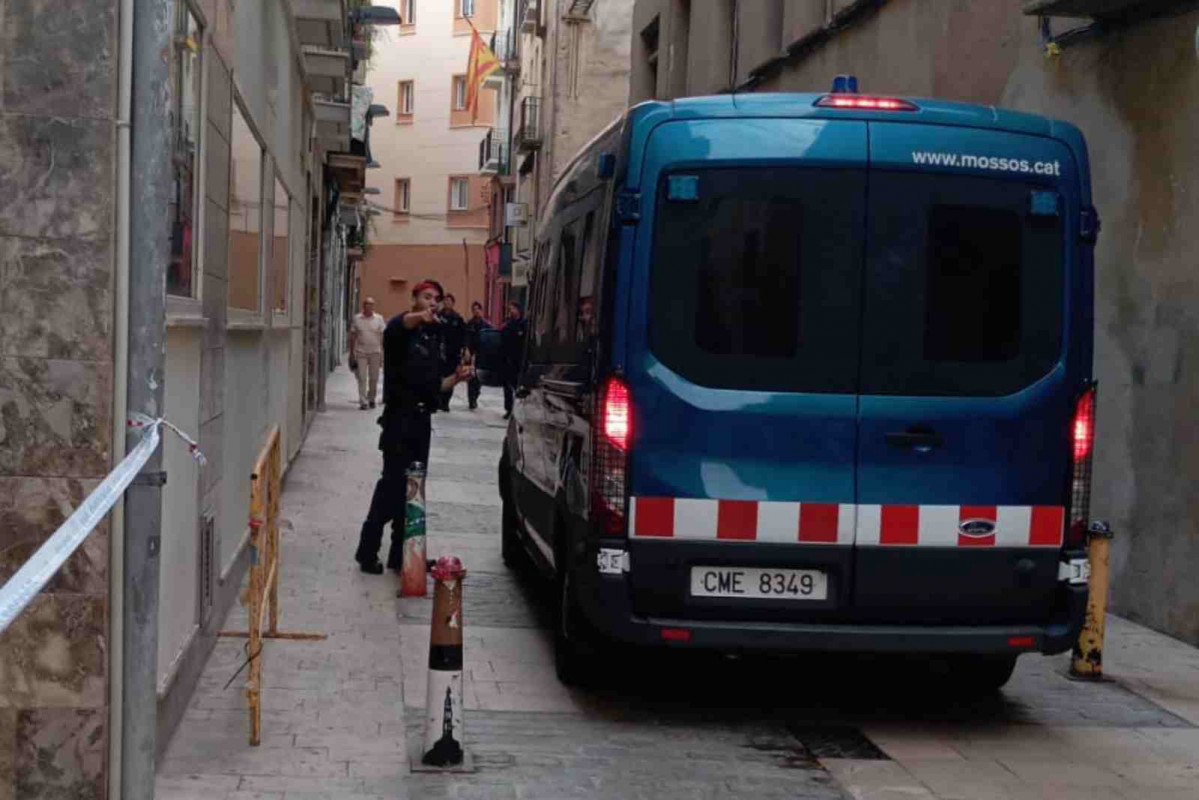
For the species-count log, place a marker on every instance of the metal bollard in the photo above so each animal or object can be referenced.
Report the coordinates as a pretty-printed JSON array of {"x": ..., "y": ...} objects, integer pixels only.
[
  {"x": 414, "y": 566},
  {"x": 443, "y": 717},
  {"x": 1087, "y": 663}
]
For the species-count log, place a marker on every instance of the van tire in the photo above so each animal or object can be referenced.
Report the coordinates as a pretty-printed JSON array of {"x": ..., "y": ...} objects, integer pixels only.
[
  {"x": 575, "y": 648},
  {"x": 984, "y": 674},
  {"x": 511, "y": 550}
]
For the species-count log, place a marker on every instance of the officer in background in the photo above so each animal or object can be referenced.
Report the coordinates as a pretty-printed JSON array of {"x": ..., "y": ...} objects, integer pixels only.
[
  {"x": 412, "y": 367},
  {"x": 453, "y": 337},
  {"x": 474, "y": 343},
  {"x": 512, "y": 348}
]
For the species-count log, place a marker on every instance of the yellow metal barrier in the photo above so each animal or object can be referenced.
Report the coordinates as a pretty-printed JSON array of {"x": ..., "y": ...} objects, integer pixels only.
[{"x": 263, "y": 600}]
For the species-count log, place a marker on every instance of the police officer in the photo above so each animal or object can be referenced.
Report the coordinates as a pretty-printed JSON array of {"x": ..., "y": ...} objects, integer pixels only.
[
  {"x": 512, "y": 347},
  {"x": 413, "y": 384},
  {"x": 453, "y": 337},
  {"x": 474, "y": 343}
]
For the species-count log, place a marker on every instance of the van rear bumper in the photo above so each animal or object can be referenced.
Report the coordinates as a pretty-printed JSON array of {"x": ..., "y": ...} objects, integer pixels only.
[{"x": 605, "y": 600}]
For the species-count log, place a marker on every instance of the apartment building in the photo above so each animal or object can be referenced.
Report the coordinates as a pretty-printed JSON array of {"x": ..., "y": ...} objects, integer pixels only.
[
  {"x": 429, "y": 205},
  {"x": 565, "y": 77},
  {"x": 1094, "y": 63}
]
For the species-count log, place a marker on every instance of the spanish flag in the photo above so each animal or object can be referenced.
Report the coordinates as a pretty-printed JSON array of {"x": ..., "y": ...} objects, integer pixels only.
[{"x": 481, "y": 64}]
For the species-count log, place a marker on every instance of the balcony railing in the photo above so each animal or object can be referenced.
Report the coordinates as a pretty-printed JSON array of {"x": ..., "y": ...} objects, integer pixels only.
[
  {"x": 528, "y": 135},
  {"x": 505, "y": 44},
  {"x": 493, "y": 153}
]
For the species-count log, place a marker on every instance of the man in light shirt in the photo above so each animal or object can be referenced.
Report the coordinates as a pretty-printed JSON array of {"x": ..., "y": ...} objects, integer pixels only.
[{"x": 366, "y": 347}]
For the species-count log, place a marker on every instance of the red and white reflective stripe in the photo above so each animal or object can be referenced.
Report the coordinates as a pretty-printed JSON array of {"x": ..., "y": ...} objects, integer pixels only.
[
  {"x": 941, "y": 526},
  {"x": 845, "y": 524},
  {"x": 741, "y": 520}
]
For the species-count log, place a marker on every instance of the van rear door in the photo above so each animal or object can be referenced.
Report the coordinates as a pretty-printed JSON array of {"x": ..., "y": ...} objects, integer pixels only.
[
  {"x": 965, "y": 402},
  {"x": 743, "y": 361}
]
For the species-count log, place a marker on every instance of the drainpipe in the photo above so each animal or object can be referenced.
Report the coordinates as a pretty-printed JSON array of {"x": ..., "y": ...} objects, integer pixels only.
[
  {"x": 153, "y": 25},
  {"x": 116, "y": 541}
]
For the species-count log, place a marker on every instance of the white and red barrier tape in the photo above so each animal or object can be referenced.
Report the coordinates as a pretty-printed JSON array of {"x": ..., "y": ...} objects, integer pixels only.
[{"x": 19, "y": 591}]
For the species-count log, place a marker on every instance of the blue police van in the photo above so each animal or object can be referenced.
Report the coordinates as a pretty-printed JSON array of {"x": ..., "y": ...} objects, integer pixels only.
[{"x": 811, "y": 372}]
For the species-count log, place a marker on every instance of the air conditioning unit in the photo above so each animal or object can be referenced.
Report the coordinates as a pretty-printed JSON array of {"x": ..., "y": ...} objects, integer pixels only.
[{"x": 516, "y": 215}]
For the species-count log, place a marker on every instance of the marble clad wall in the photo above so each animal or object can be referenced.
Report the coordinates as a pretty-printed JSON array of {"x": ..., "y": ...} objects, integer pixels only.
[{"x": 58, "y": 81}]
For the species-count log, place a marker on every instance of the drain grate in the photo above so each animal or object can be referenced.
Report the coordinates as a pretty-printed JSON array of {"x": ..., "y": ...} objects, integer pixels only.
[{"x": 836, "y": 741}]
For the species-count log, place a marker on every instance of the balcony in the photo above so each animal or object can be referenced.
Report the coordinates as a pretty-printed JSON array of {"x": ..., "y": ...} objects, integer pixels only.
[
  {"x": 505, "y": 45},
  {"x": 493, "y": 153},
  {"x": 320, "y": 23},
  {"x": 528, "y": 135},
  {"x": 528, "y": 15}
]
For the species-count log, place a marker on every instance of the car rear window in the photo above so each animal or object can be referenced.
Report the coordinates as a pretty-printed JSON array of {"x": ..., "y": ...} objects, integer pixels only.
[
  {"x": 756, "y": 277},
  {"x": 964, "y": 286}
]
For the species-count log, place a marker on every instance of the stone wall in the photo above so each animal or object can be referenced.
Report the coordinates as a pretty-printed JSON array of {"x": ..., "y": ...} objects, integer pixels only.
[{"x": 58, "y": 83}]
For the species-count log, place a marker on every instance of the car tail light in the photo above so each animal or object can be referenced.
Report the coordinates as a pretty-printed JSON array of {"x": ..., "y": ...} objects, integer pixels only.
[
  {"x": 1082, "y": 447},
  {"x": 610, "y": 458},
  {"x": 865, "y": 102}
]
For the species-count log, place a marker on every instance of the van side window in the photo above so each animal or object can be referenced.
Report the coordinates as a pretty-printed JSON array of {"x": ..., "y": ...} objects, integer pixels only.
[
  {"x": 540, "y": 308},
  {"x": 588, "y": 303},
  {"x": 566, "y": 289}
]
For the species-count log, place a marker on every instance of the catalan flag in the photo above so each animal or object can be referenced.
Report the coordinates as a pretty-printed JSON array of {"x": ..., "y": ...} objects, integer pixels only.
[{"x": 481, "y": 64}]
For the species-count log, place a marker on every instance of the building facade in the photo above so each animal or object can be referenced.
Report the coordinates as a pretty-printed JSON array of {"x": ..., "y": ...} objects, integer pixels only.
[
  {"x": 429, "y": 204},
  {"x": 1095, "y": 67},
  {"x": 565, "y": 77},
  {"x": 261, "y": 215}
]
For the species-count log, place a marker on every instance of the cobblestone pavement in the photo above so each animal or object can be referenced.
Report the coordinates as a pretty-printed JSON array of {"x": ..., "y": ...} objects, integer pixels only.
[{"x": 340, "y": 715}]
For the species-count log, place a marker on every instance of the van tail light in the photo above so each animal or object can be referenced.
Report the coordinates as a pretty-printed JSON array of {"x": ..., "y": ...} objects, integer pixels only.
[
  {"x": 1082, "y": 447},
  {"x": 611, "y": 435}
]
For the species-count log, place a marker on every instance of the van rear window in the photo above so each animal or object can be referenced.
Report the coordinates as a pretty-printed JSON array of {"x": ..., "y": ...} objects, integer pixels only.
[
  {"x": 756, "y": 278},
  {"x": 965, "y": 287}
]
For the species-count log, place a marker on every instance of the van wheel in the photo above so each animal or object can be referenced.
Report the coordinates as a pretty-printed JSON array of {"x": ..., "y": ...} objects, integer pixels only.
[
  {"x": 575, "y": 648},
  {"x": 511, "y": 550},
  {"x": 982, "y": 674}
]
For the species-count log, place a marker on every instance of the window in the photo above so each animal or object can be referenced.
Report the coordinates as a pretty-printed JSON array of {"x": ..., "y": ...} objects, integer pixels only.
[
  {"x": 541, "y": 310},
  {"x": 408, "y": 12},
  {"x": 185, "y": 146},
  {"x": 459, "y": 194},
  {"x": 403, "y": 190},
  {"x": 964, "y": 287},
  {"x": 406, "y": 99},
  {"x": 245, "y": 215},
  {"x": 466, "y": 8},
  {"x": 280, "y": 251},
  {"x": 459, "y": 92},
  {"x": 566, "y": 290},
  {"x": 757, "y": 275}
]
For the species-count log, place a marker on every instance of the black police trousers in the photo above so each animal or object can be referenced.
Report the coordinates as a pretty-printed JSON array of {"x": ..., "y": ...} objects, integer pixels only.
[{"x": 405, "y": 440}]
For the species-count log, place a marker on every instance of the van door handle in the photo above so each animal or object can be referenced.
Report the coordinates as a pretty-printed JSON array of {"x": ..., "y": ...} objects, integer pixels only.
[{"x": 918, "y": 440}]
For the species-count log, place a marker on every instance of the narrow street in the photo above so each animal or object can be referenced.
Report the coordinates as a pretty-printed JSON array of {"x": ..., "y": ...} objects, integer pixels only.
[{"x": 340, "y": 715}]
